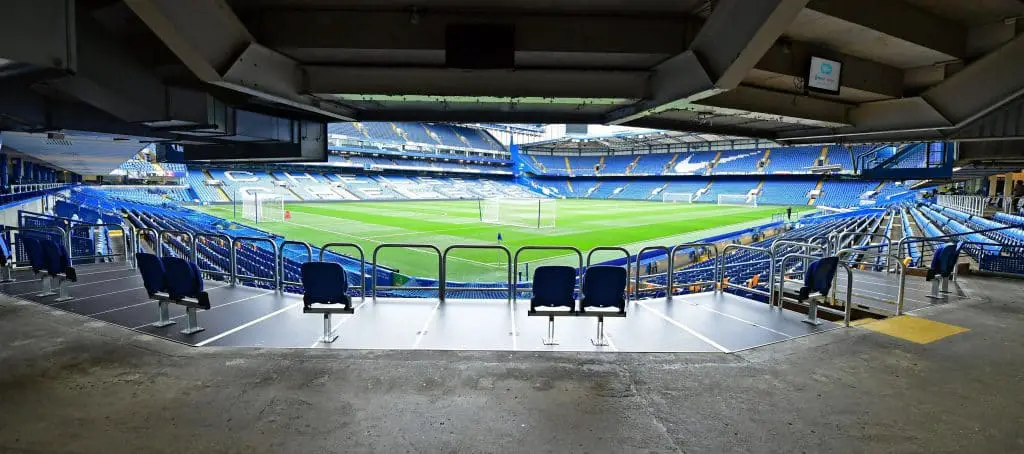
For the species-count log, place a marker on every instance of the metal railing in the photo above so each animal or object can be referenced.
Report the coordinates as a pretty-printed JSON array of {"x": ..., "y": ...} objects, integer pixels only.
[
  {"x": 124, "y": 234},
  {"x": 160, "y": 242},
  {"x": 237, "y": 241},
  {"x": 281, "y": 279},
  {"x": 227, "y": 244},
  {"x": 440, "y": 268},
  {"x": 515, "y": 264},
  {"x": 781, "y": 271},
  {"x": 668, "y": 278},
  {"x": 362, "y": 263},
  {"x": 970, "y": 204},
  {"x": 903, "y": 273},
  {"x": 624, "y": 251},
  {"x": 713, "y": 259},
  {"x": 812, "y": 309},
  {"x": 444, "y": 268},
  {"x": 723, "y": 265}
]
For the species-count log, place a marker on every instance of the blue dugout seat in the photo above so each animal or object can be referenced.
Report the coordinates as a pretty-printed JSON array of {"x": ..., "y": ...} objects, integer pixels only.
[
  {"x": 604, "y": 288},
  {"x": 325, "y": 288},
  {"x": 554, "y": 289}
]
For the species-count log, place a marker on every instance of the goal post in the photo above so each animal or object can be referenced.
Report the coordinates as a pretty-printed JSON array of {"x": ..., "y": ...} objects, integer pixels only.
[
  {"x": 684, "y": 197},
  {"x": 263, "y": 207},
  {"x": 737, "y": 200},
  {"x": 532, "y": 213}
]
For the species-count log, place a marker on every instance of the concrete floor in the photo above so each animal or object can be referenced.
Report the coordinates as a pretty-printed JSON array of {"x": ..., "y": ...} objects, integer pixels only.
[{"x": 69, "y": 384}]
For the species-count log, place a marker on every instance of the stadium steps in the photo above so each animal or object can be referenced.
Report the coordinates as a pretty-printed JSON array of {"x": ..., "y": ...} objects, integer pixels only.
[
  {"x": 765, "y": 161},
  {"x": 818, "y": 187},
  {"x": 289, "y": 187},
  {"x": 824, "y": 154},
  {"x": 220, "y": 188},
  {"x": 431, "y": 134},
  {"x": 657, "y": 192},
  {"x": 671, "y": 162},
  {"x": 632, "y": 165},
  {"x": 600, "y": 165},
  {"x": 618, "y": 190},
  {"x": 713, "y": 164},
  {"x": 568, "y": 166},
  {"x": 593, "y": 189},
  {"x": 568, "y": 184}
]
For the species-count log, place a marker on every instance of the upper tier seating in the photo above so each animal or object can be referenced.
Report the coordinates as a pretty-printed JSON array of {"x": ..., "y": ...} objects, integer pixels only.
[{"x": 424, "y": 133}]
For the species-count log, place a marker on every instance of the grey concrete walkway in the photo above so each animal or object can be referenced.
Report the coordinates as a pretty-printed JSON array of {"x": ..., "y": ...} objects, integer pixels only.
[{"x": 68, "y": 384}]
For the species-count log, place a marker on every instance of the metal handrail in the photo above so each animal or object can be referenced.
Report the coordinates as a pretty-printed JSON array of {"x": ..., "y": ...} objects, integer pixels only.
[
  {"x": 903, "y": 273},
  {"x": 124, "y": 233},
  {"x": 230, "y": 272},
  {"x": 668, "y": 283},
  {"x": 235, "y": 242},
  {"x": 771, "y": 269},
  {"x": 807, "y": 251},
  {"x": 440, "y": 268},
  {"x": 279, "y": 263},
  {"x": 714, "y": 260},
  {"x": 362, "y": 263},
  {"x": 848, "y": 307},
  {"x": 137, "y": 239},
  {"x": 590, "y": 255},
  {"x": 515, "y": 262},
  {"x": 160, "y": 241},
  {"x": 444, "y": 267}
]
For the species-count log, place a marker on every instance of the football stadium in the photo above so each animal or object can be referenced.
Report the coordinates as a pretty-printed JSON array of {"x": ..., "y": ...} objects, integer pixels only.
[{"x": 504, "y": 226}]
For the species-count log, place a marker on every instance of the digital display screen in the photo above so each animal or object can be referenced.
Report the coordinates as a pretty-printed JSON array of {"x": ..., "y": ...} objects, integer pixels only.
[{"x": 824, "y": 75}]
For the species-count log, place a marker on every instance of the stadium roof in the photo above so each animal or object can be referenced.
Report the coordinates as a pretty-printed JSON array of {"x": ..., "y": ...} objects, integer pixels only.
[
  {"x": 903, "y": 69},
  {"x": 628, "y": 140}
]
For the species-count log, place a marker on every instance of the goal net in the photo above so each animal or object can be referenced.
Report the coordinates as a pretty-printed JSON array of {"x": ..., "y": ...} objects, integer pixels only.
[
  {"x": 737, "y": 200},
  {"x": 533, "y": 213},
  {"x": 685, "y": 197},
  {"x": 262, "y": 207}
]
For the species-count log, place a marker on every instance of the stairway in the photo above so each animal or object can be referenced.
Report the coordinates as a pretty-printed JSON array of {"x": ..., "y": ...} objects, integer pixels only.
[
  {"x": 700, "y": 192},
  {"x": 600, "y": 165},
  {"x": 817, "y": 187},
  {"x": 592, "y": 189},
  {"x": 824, "y": 155},
  {"x": 632, "y": 165},
  {"x": 220, "y": 188},
  {"x": 568, "y": 184},
  {"x": 766, "y": 159},
  {"x": 714, "y": 163},
  {"x": 537, "y": 163},
  {"x": 671, "y": 162},
  {"x": 657, "y": 191},
  {"x": 568, "y": 166}
]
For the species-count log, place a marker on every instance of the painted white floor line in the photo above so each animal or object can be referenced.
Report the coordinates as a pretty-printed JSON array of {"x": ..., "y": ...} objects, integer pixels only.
[
  {"x": 94, "y": 296},
  {"x": 423, "y": 330},
  {"x": 217, "y": 306},
  {"x": 140, "y": 304},
  {"x": 743, "y": 320},
  {"x": 512, "y": 318},
  {"x": 251, "y": 323},
  {"x": 685, "y": 328}
]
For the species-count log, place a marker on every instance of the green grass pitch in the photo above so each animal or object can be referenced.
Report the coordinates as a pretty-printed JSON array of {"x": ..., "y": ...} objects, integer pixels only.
[{"x": 580, "y": 223}]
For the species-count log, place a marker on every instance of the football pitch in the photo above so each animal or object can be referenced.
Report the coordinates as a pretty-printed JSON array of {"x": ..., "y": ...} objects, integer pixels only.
[{"x": 580, "y": 223}]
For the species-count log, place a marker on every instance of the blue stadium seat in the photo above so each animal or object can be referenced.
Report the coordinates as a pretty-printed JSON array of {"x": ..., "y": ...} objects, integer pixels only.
[
  {"x": 604, "y": 287},
  {"x": 173, "y": 280},
  {"x": 325, "y": 285},
  {"x": 818, "y": 277},
  {"x": 6, "y": 262},
  {"x": 554, "y": 289}
]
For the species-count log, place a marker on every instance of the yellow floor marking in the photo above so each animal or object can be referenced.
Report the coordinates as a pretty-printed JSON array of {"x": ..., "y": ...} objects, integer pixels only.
[{"x": 914, "y": 329}]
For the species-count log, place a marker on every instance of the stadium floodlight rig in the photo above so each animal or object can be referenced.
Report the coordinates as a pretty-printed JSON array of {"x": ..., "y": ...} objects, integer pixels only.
[
  {"x": 530, "y": 213},
  {"x": 262, "y": 207},
  {"x": 737, "y": 200},
  {"x": 684, "y": 197}
]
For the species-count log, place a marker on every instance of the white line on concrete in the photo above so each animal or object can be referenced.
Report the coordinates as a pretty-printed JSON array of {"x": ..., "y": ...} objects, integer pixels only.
[
  {"x": 685, "y": 328},
  {"x": 744, "y": 320},
  {"x": 94, "y": 296},
  {"x": 423, "y": 330},
  {"x": 251, "y": 323}
]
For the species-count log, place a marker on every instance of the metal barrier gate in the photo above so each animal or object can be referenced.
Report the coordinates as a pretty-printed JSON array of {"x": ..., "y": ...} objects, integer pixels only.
[
  {"x": 668, "y": 275},
  {"x": 124, "y": 234},
  {"x": 713, "y": 259},
  {"x": 237, "y": 241},
  {"x": 444, "y": 268},
  {"x": 362, "y": 263},
  {"x": 279, "y": 262},
  {"x": 515, "y": 263},
  {"x": 440, "y": 268},
  {"x": 160, "y": 241},
  {"x": 722, "y": 265}
]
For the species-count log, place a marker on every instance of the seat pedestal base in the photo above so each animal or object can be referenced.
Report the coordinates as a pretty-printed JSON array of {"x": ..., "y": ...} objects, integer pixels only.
[
  {"x": 600, "y": 340},
  {"x": 328, "y": 337},
  {"x": 192, "y": 326},
  {"x": 165, "y": 317},
  {"x": 550, "y": 340}
]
